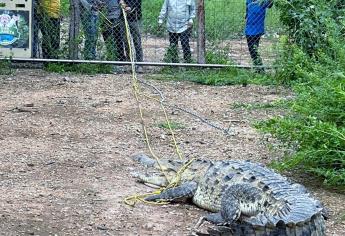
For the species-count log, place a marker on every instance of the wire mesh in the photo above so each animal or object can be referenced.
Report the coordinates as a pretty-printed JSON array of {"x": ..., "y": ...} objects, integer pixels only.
[{"x": 240, "y": 32}]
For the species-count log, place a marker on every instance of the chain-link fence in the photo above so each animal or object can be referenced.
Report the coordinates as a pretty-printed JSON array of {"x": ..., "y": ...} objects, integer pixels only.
[{"x": 211, "y": 31}]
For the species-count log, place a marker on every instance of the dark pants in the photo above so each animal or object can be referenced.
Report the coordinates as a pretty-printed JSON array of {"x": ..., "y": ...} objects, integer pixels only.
[
  {"x": 134, "y": 27},
  {"x": 253, "y": 46},
  {"x": 50, "y": 29},
  {"x": 184, "y": 38},
  {"x": 89, "y": 20},
  {"x": 113, "y": 34}
]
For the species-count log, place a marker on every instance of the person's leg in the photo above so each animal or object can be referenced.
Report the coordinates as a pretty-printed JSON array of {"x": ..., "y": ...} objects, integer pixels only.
[
  {"x": 119, "y": 37},
  {"x": 108, "y": 36},
  {"x": 187, "y": 55},
  {"x": 253, "y": 47},
  {"x": 89, "y": 21},
  {"x": 55, "y": 38},
  {"x": 134, "y": 27},
  {"x": 172, "y": 53}
]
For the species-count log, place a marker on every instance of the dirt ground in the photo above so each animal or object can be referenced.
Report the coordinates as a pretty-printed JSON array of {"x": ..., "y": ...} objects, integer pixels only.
[{"x": 67, "y": 141}]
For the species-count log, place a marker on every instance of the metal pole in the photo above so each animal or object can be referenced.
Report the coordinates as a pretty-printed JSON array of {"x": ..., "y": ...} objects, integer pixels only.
[
  {"x": 40, "y": 60},
  {"x": 201, "y": 48}
]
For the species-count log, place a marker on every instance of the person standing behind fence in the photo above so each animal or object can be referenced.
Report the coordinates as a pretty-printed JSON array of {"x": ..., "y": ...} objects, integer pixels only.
[
  {"x": 180, "y": 15},
  {"x": 48, "y": 18},
  {"x": 89, "y": 17},
  {"x": 255, "y": 27},
  {"x": 113, "y": 30},
  {"x": 134, "y": 15}
]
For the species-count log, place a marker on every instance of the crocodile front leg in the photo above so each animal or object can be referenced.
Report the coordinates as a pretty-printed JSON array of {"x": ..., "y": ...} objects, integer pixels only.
[
  {"x": 185, "y": 190},
  {"x": 214, "y": 218}
]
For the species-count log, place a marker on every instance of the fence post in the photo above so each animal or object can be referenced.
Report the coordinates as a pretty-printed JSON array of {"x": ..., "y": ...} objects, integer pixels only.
[
  {"x": 201, "y": 32},
  {"x": 74, "y": 26}
]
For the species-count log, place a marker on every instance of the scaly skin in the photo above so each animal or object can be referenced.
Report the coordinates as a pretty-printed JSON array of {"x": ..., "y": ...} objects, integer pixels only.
[{"x": 246, "y": 196}]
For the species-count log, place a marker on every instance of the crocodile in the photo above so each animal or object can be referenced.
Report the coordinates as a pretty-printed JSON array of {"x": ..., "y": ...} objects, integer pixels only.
[{"x": 244, "y": 197}]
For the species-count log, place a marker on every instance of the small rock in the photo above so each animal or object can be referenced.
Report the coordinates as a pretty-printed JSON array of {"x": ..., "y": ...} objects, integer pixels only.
[
  {"x": 102, "y": 227},
  {"x": 148, "y": 226},
  {"x": 50, "y": 163},
  {"x": 29, "y": 105}
]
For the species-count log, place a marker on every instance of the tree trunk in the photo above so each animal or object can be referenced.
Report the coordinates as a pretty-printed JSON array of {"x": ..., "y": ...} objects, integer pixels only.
[{"x": 74, "y": 26}]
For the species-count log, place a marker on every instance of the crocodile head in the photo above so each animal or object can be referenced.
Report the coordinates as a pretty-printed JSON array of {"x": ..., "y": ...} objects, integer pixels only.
[{"x": 163, "y": 171}]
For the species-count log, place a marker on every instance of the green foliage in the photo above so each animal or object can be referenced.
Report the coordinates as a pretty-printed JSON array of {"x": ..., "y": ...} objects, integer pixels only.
[
  {"x": 214, "y": 55},
  {"x": 282, "y": 104},
  {"x": 5, "y": 67},
  {"x": 312, "y": 63},
  {"x": 65, "y": 5},
  {"x": 215, "y": 77},
  {"x": 78, "y": 68},
  {"x": 173, "y": 125},
  {"x": 171, "y": 55},
  {"x": 310, "y": 23}
]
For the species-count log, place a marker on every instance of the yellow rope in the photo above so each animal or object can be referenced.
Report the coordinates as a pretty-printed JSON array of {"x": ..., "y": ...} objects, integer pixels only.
[
  {"x": 132, "y": 200},
  {"x": 137, "y": 92}
]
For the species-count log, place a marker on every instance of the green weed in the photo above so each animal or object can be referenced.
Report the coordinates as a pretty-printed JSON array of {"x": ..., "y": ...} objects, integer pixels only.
[
  {"x": 215, "y": 77},
  {"x": 173, "y": 125},
  {"x": 255, "y": 106},
  {"x": 78, "y": 68},
  {"x": 5, "y": 67}
]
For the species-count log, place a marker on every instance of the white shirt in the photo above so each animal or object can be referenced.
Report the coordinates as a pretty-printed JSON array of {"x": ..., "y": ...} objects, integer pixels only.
[{"x": 178, "y": 13}]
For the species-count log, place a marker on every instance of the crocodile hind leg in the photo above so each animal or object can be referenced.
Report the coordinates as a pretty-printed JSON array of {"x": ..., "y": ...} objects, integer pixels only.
[{"x": 185, "y": 190}]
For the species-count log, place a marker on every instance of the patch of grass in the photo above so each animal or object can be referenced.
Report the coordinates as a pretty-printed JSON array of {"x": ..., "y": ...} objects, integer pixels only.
[
  {"x": 282, "y": 104},
  {"x": 214, "y": 55},
  {"x": 5, "y": 67},
  {"x": 173, "y": 125},
  {"x": 215, "y": 77},
  {"x": 78, "y": 68}
]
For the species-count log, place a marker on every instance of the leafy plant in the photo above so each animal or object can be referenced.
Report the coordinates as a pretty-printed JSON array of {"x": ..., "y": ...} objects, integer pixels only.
[{"x": 313, "y": 64}]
